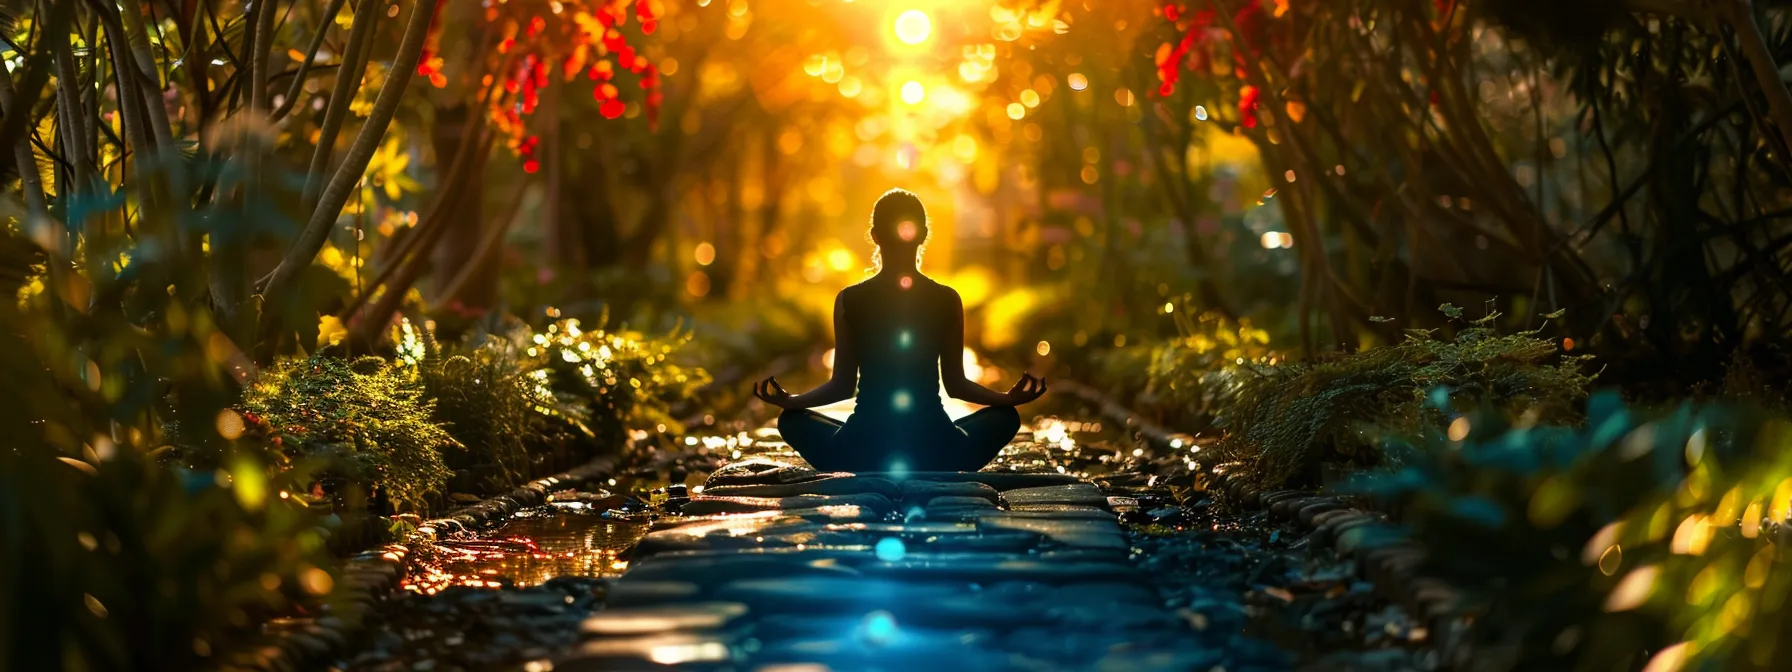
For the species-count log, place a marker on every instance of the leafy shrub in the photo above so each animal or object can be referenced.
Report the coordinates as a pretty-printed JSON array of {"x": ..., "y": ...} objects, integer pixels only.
[
  {"x": 1642, "y": 534},
  {"x": 369, "y": 418},
  {"x": 485, "y": 399},
  {"x": 611, "y": 381},
  {"x": 127, "y": 565},
  {"x": 1286, "y": 419},
  {"x": 1197, "y": 373}
]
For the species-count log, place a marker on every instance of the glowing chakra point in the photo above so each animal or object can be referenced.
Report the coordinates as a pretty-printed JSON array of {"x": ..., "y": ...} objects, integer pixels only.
[
  {"x": 879, "y": 627},
  {"x": 913, "y": 26},
  {"x": 890, "y": 549},
  {"x": 901, "y": 400},
  {"x": 905, "y": 339}
]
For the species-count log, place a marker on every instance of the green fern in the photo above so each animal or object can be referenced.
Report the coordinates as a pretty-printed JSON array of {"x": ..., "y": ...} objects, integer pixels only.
[
  {"x": 369, "y": 417},
  {"x": 1287, "y": 419}
]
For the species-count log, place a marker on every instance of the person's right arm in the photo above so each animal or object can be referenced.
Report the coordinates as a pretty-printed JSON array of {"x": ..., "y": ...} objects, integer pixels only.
[
  {"x": 839, "y": 386},
  {"x": 960, "y": 387}
]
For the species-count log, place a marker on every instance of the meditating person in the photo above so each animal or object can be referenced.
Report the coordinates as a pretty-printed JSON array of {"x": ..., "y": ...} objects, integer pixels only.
[{"x": 898, "y": 335}]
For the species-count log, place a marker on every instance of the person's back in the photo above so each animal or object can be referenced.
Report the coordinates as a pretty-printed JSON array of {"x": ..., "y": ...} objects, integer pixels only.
[
  {"x": 899, "y": 336},
  {"x": 896, "y": 333}
]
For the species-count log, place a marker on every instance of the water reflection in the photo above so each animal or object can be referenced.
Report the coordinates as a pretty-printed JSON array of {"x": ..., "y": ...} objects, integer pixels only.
[{"x": 528, "y": 551}]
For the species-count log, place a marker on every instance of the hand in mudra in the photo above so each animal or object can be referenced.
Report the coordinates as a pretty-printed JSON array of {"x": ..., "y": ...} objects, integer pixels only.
[
  {"x": 1027, "y": 389},
  {"x": 769, "y": 391}
]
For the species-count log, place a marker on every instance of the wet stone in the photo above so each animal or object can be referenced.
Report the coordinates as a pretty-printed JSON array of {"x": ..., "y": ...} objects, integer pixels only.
[
  {"x": 646, "y": 652},
  {"x": 703, "y": 505},
  {"x": 830, "y": 484},
  {"x": 1082, "y": 494},
  {"x": 779, "y": 627},
  {"x": 953, "y": 504},
  {"x": 985, "y": 567},
  {"x": 921, "y": 492},
  {"x": 759, "y": 472},
  {"x": 636, "y": 592},
  {"x": 713, "y": 569},
  {"x": 694, "y": 616},
  {"x": 1000, "y": 480},
  {"x": 901, "y": 649},
  {"x": 1069, "y": 532}
]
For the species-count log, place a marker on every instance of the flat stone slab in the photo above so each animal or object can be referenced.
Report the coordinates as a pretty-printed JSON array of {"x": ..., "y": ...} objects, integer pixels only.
[
  {"x": 938, "y": 605},
  {"x": 922, "y": 492},
  {"x": 829, "y": 484},
  {"x": 759, "y": 472},
  {"x": 900, "y": 649},
  {"x": 986, "y": 567},
  {"x": 711, "y": 570},
  {"x": 641, "y": 592},
  {"x": 1145, "y": 649},
  {"x": 693, "y": 616},
  {"x": 1079, "y": 494},
  {"x": 1070, "y": 532},
  {"x": 647, "y": 652},
  {"x": 705, "y": 504},
  {"x": 854, "y": 626},
  {"x": 721, "y": 535},
  {"x": 1000, "y": 480},
  {"x": 942, "y": 503}
]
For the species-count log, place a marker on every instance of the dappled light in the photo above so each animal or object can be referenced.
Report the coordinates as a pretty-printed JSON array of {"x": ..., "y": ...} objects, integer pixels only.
[{"x": 895, "y": 334}]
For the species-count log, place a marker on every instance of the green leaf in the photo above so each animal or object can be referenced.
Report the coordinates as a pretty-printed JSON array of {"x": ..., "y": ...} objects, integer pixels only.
[{"x": 1451, "y": 311}]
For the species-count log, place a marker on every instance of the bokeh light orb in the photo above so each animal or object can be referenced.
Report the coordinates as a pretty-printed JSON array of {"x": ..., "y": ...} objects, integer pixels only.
[
  {"x": 913, "y": 27},
  {"x": 913, "y": 92},
  {"x": 890, "y": 549}
]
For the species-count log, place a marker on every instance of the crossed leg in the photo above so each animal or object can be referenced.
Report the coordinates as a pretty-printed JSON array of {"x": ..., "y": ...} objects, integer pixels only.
[{"x": 984, "y": 433}]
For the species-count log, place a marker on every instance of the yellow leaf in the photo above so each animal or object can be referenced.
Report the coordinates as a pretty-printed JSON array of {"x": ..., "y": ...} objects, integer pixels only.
[
  {"x": 249, "y": 482},
  {"x": 78, "y": 464},
  {"x": 330, "y": 331}
]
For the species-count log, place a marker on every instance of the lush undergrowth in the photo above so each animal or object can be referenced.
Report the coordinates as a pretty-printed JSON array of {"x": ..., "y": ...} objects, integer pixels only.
[
  {"x": 1286, "y": 420},
  {"x": 1288, "y": 423},
  {"x": 395, "y": 434},
  {"x": 153, "y": 512},
  {"x": 1191, "y": 379},
  {"x": 1641, "y": 535}
]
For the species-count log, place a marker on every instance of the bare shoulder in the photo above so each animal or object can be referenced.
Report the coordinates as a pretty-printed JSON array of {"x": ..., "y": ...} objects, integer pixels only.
[
  {"x": 945, "y": 293},
  {"x": 850, "y": 295}
]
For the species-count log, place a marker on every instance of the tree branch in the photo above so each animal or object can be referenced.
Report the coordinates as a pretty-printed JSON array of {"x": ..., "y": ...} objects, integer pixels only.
[
  {"x": 298, "y": 80},
  {"x": 348, "y": 79}
]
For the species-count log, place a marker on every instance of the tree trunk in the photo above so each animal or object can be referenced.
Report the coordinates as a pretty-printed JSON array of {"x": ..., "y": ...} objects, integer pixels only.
[
  {"x": 330, "y": 203},
  {"x": 454, "y": 128}
]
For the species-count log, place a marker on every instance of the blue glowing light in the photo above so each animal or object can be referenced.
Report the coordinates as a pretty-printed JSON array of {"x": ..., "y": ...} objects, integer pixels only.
[
  {"x": 901, "y": 401},
  {"x": 905, "y": 339},
  {"x": 890, "y": 549},
  {"x": 880, "y": 627}
]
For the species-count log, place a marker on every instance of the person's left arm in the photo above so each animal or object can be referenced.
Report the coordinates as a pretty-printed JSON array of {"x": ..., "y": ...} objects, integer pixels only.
[{"x": 840, "y": 386}]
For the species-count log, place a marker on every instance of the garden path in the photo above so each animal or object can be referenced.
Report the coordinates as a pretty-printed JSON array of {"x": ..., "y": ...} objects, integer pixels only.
[{"x": 1062, "y": 555}]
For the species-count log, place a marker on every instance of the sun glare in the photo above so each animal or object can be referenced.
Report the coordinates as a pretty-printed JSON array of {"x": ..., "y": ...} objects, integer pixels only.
[
  {"x": 913, "y": 92},
  {"x": 913, "y": 27}
]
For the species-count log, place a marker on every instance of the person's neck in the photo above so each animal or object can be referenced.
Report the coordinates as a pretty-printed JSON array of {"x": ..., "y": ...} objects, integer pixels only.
[{"x": 898, "y": 271}]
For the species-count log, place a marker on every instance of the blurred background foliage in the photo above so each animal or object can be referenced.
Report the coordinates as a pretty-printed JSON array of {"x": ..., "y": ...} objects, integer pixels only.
[
  {"x": 363, "y": 253},
  {"x": 1647, "y": 538}
]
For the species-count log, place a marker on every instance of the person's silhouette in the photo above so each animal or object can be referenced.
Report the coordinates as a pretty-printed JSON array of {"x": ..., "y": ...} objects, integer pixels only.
[{"x": 899, "y": 335}]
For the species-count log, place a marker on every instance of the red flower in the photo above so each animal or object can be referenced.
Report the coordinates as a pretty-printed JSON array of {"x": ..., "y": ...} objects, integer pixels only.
[
  {"x": 612, "y": 108},
  {"x": 1247, "y": 106}
]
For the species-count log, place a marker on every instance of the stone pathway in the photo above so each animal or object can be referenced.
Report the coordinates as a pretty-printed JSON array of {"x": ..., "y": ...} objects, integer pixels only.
[
  {"x": 1075, "y": 550},
  {"x": 771, "y": 565}
]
